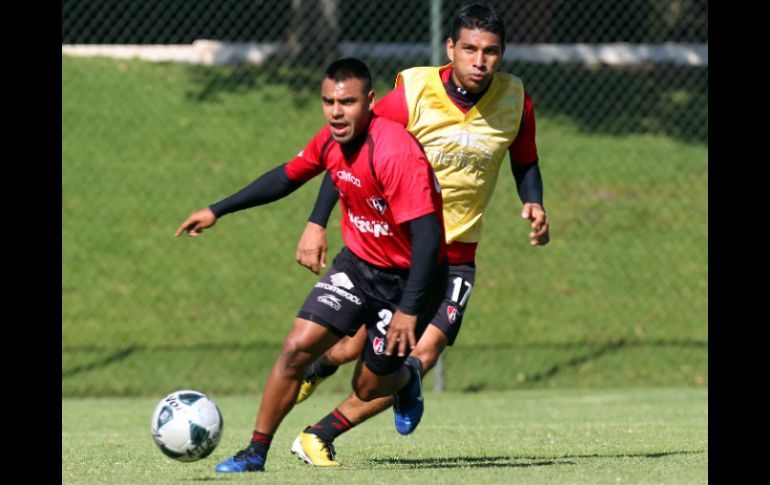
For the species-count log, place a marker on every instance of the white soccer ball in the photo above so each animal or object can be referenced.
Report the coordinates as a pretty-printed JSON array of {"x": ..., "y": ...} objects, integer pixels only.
[{"x": 187, "y": 425}]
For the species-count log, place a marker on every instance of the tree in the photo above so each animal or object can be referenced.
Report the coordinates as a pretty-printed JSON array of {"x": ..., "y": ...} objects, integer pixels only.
[{"x": 313, "y": 34}]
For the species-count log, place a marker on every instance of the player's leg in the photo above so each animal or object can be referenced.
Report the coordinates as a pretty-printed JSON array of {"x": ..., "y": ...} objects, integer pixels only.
[
  {"x": 346, "y": 350},
  {"x": 446, "y": 323},
  {"x": 314, "y": 444},
  {"x": 305, "y": 343},
  {"x": 429, "y": 347},
  {"x": 442, "y": 332},
  {"x": 328, "y": 314},
  {"x": 427, "y": 350}
]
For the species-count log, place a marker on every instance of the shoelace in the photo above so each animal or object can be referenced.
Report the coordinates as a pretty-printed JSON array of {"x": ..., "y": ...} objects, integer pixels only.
[
  {"x": 245, "y": 453},
  {"x": 330, "y": 450}
]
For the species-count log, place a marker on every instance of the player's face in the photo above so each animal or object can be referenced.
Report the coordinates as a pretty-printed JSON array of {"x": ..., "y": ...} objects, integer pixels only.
[
  {"x": 476, "y": 55},
  {"x": 347, "y": 107}
]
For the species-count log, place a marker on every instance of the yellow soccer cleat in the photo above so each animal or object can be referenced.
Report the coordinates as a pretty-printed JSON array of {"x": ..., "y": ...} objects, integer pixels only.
[
  {"x": 309, "y": 385},
  {"x": 313, "y": 450}
]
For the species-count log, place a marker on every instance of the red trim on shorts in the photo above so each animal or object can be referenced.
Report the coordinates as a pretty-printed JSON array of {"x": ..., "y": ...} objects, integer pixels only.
[{"x": 461, "y": 252}]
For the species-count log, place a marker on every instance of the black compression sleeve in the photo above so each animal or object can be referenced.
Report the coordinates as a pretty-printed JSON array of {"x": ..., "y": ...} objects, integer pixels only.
[
  {"x": 529, "y": 181},
  {"x": 324, "y": 203},
  {"x": 426, "y": 236},
  {"x": 269, "y": 187}
]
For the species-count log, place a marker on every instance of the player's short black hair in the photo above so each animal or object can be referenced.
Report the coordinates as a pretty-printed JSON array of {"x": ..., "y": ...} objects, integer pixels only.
[
  {"x": 349, "y": 67},
  {"x": 478, "y": 16}
]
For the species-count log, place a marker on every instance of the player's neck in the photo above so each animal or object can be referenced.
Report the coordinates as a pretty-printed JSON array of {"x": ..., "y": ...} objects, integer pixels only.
[{"x": 461, "y": 96}]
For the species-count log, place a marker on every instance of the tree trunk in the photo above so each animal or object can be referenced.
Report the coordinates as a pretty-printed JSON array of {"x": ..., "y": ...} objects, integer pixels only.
[{"x": 313, "y": 33}]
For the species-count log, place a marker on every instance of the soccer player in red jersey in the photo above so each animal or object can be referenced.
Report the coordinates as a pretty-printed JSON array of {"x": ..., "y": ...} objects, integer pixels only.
[
  {"x": 391, "y": 274},
  {"x": 467, "y": 116}
]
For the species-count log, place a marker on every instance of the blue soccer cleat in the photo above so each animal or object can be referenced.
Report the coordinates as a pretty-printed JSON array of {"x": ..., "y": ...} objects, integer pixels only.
[
  {"x": 408, "y": 405},
  {"x": 247, "y": 460}
]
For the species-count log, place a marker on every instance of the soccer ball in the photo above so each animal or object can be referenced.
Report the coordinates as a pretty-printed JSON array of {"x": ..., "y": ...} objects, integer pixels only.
[{"x": 186, "y": 425}]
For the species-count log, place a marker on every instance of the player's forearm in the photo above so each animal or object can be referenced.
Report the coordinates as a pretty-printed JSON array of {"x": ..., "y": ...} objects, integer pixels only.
[
  {"x": 269, "y": 187},
  {"x": 324, "y": 204},
  {"x": 529, "y": 182},
  {"x": 426, "y": 238}
]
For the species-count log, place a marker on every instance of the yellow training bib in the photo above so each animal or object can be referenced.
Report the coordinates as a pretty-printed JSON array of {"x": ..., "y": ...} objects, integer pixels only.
[{"x": 465, "y": 149}]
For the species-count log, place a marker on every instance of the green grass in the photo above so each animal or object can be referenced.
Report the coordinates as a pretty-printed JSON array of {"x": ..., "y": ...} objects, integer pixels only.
[
  {"x": 628, "y": 436},
  {"x": 619, "y": 297}
]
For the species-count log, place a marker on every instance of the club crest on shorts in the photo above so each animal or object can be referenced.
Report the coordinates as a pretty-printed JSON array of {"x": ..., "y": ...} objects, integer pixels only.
[
  {"x": 378, "y": 344},
  {"x": 452, "y": 312}
]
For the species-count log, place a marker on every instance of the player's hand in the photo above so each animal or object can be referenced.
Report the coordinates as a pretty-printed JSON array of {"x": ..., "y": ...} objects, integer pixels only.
[
  {"x": 400, "y": 334},
  {"x": 197, "y": 222},
  {"x": 535, "y": 213},
  {"x": 311, "y": 250}
]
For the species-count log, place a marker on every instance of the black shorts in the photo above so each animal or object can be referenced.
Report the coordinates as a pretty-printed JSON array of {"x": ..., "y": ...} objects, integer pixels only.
[
  {"x": 354, "y": 292},
  {"x": 449, "y": 316}
]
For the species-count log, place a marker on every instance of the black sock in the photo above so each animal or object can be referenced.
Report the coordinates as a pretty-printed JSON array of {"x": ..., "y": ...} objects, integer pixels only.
[
  {"x": 260, "y": 442},
  {"x": 412, "y": 377},
  {"x": 321, "y": 370},
  {"x": 414, "y": 366},
  {"x": 333, "y": 425},
  {"x": 326, "y": 370},
  {"x": 415, "y": 363}
]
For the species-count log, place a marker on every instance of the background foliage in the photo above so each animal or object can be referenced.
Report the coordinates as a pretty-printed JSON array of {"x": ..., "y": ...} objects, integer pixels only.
[{"x": 619, "y": 297}]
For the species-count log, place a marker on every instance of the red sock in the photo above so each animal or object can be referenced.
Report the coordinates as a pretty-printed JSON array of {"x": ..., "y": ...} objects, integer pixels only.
[{"x": 261, "y": 442}]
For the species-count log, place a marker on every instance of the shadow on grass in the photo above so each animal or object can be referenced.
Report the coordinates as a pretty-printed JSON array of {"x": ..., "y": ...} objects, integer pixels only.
[
  {"x": 651, "y": 98},
  {"x": 470, "y": 462},
  {"x": 99, "y": 363},
  {"x": 515, "y": 461},
  {"x": 212, "y": 81},
  {"x": 105, "y": 356},
  {"x": 304, "y": 83}
]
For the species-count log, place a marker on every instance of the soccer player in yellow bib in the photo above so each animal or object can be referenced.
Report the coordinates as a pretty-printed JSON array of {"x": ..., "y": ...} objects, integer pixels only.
[{"x": 466, "y": 116}]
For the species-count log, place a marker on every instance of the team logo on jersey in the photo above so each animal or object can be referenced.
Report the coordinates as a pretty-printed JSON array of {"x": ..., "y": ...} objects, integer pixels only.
[
  {"x": 461, "y": 150},
  {"x": 378, "y": 228},
  {"x": 452, "y": 313},
  {"x": 377, "y": 204},
  {"x": 341, "y": 280},
  {"x": 348, "y": 177},
  {"x": 378, "y": 344},
  {"x": 330, "y": 300},
  {"x": 464, "y": 139}
]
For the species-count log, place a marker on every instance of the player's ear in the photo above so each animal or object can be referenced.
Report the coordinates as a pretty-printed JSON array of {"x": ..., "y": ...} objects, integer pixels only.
[
  {"x": 370, "y": 98},
  {"x": 450, "y": 46}
]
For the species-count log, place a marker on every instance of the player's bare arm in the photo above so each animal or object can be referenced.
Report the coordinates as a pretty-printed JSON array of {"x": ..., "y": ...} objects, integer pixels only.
[
  {"x": 534, "y": 212},
  {"x": 197, "y": 222},
  {"x": 312, "y": 247}
]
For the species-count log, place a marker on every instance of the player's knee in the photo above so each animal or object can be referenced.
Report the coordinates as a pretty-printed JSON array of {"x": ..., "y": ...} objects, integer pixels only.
[
  {"x": 364, "y": 389},
  {"x": 428, "y": 357},
  {"x": 428, "y": 350},
  {"x": 343, "y": 352},
  {"x": 294, "y": 358}
]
